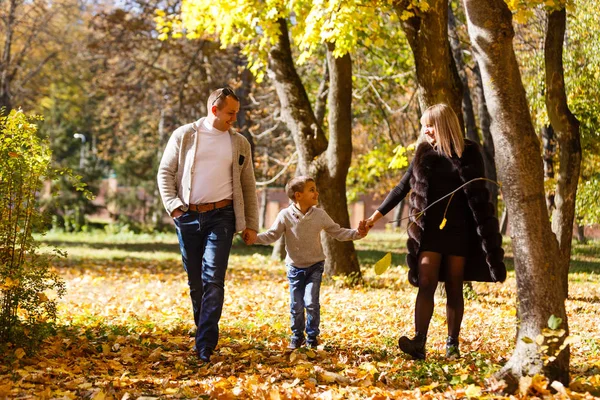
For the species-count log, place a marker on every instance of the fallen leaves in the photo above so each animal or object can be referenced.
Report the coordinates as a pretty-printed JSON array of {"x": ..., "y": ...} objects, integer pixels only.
[{"x": 126, "y": 325}]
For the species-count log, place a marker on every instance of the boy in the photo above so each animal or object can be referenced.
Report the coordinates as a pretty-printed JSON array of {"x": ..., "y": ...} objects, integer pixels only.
[{"x": 302, "y": 223}]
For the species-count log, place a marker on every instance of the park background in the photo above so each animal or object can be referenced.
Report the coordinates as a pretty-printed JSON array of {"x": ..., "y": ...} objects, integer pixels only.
[{"x": 103, "y": 84}]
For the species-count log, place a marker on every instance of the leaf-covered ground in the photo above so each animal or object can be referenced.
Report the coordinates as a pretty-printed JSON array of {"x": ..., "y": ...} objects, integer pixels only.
[{"x": 125, "y": 326}]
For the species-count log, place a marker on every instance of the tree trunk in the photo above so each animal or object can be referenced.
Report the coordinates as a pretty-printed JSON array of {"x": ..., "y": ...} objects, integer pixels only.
[
  {"x": 467, "y": 103},
  {"x": 321, "y": 103},
  {"x": 581, "y": 234},
  {"x": 566, "y": 127},
  {"x": 549, "y": 149},
  {"x": 340, "y": 256},
  {"x": 243, "y": 91},
  {"x": 326, "y": 161},
  {"x": 488, "y": 143},
  {"x": 504, "y": 222},
  {"x": 398, "y": 215},
  {"x": 437, "y": 77},
  {"x": 5, "y": 79},
  {"x": 262, "y": 207},
  {"x": 540, "y": 277}
]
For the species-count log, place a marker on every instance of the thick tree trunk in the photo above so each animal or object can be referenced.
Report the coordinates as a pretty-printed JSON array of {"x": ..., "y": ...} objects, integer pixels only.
[
  {"x": 566, "y": 127},
  {"x": 437, "y": 77},
  {"x": 540, "y": 286},
  {"x": 340, "y": 256},
  {"x": 296, "y": 110},
  {"x": 326, "y": 161}
]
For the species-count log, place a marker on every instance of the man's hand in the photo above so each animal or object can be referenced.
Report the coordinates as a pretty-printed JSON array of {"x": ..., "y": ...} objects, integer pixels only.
[
  {"x": 249, "y": 236},
  {"x": 176, "y": 213}
]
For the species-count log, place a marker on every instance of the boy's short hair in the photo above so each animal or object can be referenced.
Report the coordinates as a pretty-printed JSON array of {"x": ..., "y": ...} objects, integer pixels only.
[{"x": 297, "y": 185}]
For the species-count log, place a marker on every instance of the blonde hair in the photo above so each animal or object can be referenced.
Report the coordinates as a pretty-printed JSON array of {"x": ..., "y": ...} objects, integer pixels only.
[{"x": 448, "y": 134}]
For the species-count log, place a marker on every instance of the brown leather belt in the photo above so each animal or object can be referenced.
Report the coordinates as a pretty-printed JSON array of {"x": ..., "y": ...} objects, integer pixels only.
[{"x": 210, "y": 206}]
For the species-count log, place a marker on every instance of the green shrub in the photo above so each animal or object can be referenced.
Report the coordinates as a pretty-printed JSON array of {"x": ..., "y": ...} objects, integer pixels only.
[{"x": 28, "y": 287}]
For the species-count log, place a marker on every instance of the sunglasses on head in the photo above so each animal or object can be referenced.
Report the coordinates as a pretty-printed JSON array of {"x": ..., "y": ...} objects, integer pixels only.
[{"x": 226, "y": 91}]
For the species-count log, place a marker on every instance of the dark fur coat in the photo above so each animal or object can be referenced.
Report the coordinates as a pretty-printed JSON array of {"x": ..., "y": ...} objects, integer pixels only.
[{"x": 485, "y": 259}]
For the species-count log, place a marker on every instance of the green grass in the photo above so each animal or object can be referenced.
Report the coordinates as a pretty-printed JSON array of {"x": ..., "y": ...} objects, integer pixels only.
[{"x": 163, "y": 246}]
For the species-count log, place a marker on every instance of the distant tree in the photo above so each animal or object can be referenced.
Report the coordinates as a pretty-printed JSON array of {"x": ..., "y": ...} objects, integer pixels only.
[{"x": 31, "y": 38}]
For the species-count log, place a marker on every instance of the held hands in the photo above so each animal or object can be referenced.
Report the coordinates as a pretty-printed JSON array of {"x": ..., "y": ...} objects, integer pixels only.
[
  {"x": 365, "y": 225},
  {"x": 249, "y": 236},
  {"x": 362, "y": 228}
]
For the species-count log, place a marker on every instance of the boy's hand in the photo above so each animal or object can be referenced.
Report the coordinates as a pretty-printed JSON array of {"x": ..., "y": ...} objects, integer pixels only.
[{"x": 362, "y": 228}]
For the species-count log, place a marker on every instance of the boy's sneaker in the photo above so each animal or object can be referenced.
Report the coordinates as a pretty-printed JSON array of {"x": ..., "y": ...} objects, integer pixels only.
[
  {"x": 312, "y": 342},
  {"x": 296, "y": 343}
]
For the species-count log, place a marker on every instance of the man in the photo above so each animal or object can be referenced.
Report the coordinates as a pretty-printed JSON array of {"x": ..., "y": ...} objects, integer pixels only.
[{"x": 206, "y": 181}]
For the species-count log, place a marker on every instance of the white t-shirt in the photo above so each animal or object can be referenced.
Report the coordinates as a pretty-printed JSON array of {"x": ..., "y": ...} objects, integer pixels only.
[{"x": 212, "y": 178}]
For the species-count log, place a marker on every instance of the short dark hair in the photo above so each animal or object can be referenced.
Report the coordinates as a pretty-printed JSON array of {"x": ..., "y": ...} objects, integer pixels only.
[
  {"x": 297, "y": 185},
  {"x": 219, "y": 96}
]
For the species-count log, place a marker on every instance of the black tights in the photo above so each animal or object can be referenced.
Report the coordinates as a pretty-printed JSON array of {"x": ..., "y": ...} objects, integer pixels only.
[{"x": 429, "y": 271}]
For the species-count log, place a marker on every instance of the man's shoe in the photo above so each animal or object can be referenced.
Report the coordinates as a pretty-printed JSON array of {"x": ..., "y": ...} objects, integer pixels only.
[
  {"x": 296, "y": 343},
  {"x": 204, "y": 354},
  {"x": 452, "y": 351},
  {"x": 414, "y": 347},
  {"x": 312, "y": 342}
]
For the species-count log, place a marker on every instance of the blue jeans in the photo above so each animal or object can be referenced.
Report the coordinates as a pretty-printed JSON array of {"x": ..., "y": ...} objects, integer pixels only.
[
  {"x": 205, "y": 242},
  {"x": 305, "y": 286}
]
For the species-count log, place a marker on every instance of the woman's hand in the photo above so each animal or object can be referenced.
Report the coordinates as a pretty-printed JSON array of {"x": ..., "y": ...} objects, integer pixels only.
[{"x": 369, "y": 222}]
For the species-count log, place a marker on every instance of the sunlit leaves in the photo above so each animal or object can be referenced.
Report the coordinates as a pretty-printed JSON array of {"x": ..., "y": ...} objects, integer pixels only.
[
  {"x": 523, "y": 10},
  {"x": 587, "y": 203},
  {"x": 369, "y": 168},
  {"x": 254, "y": 25},
  {"x": 127, "y": 322}
]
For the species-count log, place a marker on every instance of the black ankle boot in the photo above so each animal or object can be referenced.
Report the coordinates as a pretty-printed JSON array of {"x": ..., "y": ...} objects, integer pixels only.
[
  {"x": 452, "y": 351},
  {"x": 414, "y": 347}
]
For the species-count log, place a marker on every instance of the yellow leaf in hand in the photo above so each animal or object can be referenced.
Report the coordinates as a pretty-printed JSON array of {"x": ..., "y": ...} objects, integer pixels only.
[{"x": 382, "y": 265}]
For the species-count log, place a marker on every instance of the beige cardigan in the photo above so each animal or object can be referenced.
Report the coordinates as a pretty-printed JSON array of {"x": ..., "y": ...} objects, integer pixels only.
[{"x": 177, "y": 167}]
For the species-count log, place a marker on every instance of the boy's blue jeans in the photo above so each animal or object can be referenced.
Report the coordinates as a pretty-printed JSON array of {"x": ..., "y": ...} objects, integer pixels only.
[
  {"x": 305, "y": 286},
  {"x": 205, "y": 242}
]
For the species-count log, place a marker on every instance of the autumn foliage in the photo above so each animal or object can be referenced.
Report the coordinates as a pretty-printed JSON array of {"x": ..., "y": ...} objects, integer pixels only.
[
  {"x": 25, "y": 276},
  {"x": 126, "y": 327}
]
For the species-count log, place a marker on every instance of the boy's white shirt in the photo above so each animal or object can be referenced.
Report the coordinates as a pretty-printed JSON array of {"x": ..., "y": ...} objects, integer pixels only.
[{"x": 303, "y": 234}]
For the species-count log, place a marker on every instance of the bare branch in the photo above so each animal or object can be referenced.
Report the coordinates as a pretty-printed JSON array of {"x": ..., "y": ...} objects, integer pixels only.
[{"x": 286, "y": 166}]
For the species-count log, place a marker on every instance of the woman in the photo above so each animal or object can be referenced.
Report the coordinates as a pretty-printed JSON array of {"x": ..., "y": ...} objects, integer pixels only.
[{"x": 453, "y": 240}]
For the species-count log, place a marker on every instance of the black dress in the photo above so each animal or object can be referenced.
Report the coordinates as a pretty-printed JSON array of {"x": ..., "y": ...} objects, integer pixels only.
[{"x": 454, "y": 238}]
